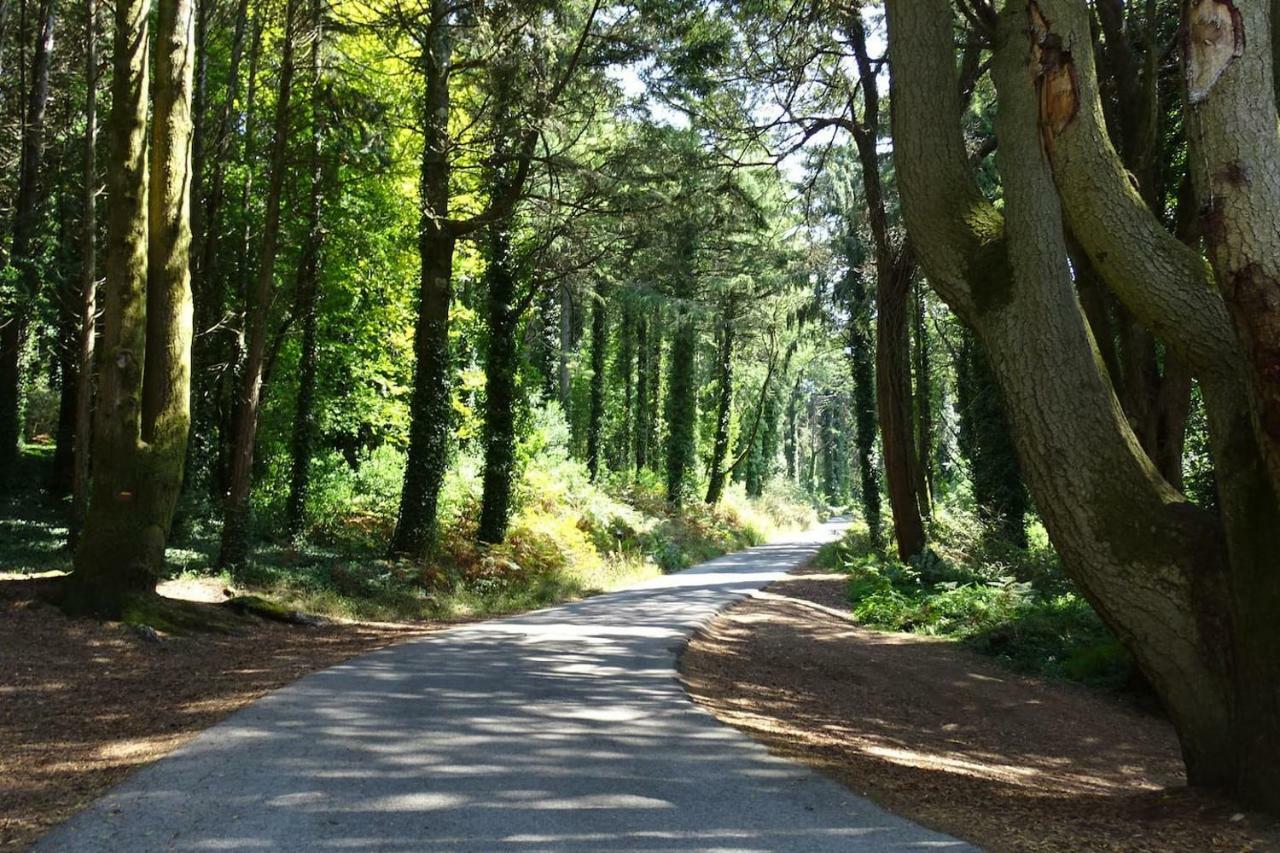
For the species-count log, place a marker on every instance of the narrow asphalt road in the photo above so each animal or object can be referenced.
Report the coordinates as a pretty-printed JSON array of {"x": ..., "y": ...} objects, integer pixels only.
[{"x": 565, "y": 729}]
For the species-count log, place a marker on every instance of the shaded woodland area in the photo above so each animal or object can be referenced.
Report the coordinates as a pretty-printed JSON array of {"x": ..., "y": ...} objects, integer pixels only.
[{"x": 411, "y": 307}]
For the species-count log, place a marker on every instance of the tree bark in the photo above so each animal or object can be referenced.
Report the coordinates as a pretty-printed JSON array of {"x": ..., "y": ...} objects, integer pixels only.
[
  {"x": 144, "y": 412},
  {"x": 501, "y": 364},
  {"x": 430, "y": 423},
  {"x": 1150, "y": 563},
  {"x": 642, "y": 393},
  {"x": 599, "y": 349},
  {"x": 234, "y": 550},
  {"x": 724, "y": 406},
  {"x": 681, "y": 402}
]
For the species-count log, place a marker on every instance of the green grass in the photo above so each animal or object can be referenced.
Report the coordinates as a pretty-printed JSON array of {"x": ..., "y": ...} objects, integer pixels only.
[{"x": 1012, "y": 604}]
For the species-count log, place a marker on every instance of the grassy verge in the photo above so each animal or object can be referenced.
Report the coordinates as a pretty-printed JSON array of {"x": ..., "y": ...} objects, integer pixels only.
[
  {"x": 1011, "y": 603},
  {"x": 568, "y": 538}
]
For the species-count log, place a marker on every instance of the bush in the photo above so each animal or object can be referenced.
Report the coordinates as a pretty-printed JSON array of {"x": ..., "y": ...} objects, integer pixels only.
[{"x": 1003, "y": 601}]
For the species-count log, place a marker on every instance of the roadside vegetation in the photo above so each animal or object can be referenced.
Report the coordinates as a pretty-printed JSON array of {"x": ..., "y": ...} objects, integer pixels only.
[{"x": 1013, "y": 603}]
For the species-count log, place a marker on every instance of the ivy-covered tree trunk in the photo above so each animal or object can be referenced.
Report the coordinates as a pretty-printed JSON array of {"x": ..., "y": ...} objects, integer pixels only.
[
  {"x": 862, "y": 369},
  {"x": 595, "y": 412},
  {"x": 642, "y": 418},
  {"x": 924, "y": 403},
  {"x": 681, "y": 408},
  {"x": 716, "y": 472},
  {"x": 26, "y": 221},
  {"x": 430, "y": 413},
  {"x": 625, "y": 367},
  {"x": 790, "y": 448},
  {"x": 144, "y": 392},
  {"x": 501, "y": 362},
  {"x": 234, "y": 550},
  {"x": 308, "y": 290}
]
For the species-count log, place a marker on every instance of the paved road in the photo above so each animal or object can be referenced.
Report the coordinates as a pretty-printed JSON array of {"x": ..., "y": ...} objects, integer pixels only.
[{"x": 560, "y": 730}]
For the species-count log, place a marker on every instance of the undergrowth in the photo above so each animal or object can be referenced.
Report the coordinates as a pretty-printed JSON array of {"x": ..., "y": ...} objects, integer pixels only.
[
  {"x": 1012, "y": 603},
  {"x": 568, "y": 537}
]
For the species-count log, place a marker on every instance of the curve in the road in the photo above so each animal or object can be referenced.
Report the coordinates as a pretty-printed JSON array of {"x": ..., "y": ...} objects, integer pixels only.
[{"x": 565, "y": 729}]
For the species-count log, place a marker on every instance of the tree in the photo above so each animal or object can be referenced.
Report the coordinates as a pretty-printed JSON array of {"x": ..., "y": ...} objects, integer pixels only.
[
  {"x": 1181, "y": 590},
  {"x": 140, "y": 434}
]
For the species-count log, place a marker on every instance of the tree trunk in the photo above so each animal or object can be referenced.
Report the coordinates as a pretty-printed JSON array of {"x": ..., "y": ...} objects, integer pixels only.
[
  {"x": 306, "y": 303},
  {"x": 724, "y": 407},
  {"x": 234, "y": 550},
  {"x": 682, "y": 402},
  {"x": 642, "y": 393},
  {"x": 1235, "y": 166},
  {"x": 430, "y": 414},
  {"x": 599, "y": 349},
  {"x": 501, "y": 364},
  {"x": 26, "y": 221},
  {"x": 144, "y": 415},
  {"x": 1152, "y": 565},
  {"x": 924, "y": 405},
  {"x": 862, "y": 368},
  {"x": 790, "y": 445},
  {"x": 88, "y": 284}
]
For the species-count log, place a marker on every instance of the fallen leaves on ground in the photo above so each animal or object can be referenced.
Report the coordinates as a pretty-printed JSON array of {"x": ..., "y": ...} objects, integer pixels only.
[
  {"x": 948, "y": 738},
  {"x": 83, "y": 703}
]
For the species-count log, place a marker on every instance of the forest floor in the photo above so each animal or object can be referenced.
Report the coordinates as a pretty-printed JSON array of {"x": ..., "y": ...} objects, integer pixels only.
[
  {"x": 84, "y": 703},
  {"x": 946, "y": 737}
]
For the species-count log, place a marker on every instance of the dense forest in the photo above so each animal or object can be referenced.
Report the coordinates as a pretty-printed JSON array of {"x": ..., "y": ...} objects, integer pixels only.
[{"x": 424, "y": 300}]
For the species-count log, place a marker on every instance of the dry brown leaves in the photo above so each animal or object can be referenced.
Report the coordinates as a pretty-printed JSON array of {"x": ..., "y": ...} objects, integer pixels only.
[{"x": 943, "y": 736}]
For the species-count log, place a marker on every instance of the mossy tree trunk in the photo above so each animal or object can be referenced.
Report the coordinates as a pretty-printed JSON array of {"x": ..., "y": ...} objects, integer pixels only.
[
  {"x": 862, "y": 369},
  {"x": 144, "y": 405},
  {"x": 641, "y": 428},
  {"x": 1182, "y": 589}
]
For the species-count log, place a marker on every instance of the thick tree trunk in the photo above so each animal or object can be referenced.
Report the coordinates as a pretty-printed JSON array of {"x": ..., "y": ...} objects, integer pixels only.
[
  {"x": 1152, "y": 565},
  {"x": 595, "y": 412},
  {"x": 430, "y": 415},
  {"x": 1235, "y": 166},
  {"x": 234, "y": 550},
  {"x": 26, "y": 216},
  {"x": 88, "y": 284},
  {"x": 144, "y": 412},
  {"x": 724, "y": 407}
]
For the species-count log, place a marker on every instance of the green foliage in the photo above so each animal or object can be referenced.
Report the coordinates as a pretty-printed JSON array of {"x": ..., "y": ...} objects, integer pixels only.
[{"x": 1013, "y": 604}]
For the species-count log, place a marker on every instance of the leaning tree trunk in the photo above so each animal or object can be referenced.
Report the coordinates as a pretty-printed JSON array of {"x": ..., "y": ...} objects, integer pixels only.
[
  {"x": 234, "y": 551},
  {"x": 430, "y": 415},
  {"x": 26, "y": 216},
  {"x": 1152, "y": 565},
  {"x": 144, "y": 406}
]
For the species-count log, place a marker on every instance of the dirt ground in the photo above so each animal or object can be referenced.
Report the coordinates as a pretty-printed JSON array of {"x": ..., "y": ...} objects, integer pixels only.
[
  {"x": 948, "y": 738},
  {"x": 83, "y": 703}
]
